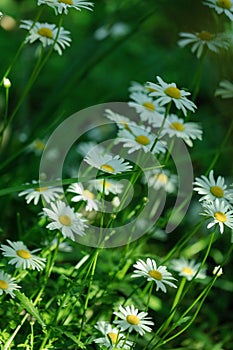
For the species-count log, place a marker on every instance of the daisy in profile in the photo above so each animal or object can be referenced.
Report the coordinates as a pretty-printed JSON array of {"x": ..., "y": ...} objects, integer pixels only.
[
  {"x": 148, "y": 109},
  {"x": 221, "y": 6},
  {"x": 220, "y": 212},
  {"x": 204, "y": 40},
  {"x": 47, "y": 34},
  {"x": 66, "y": 220},
  {"x": 106, "y": 162},
  {"x": 7, "y": 284},
  {"x": 48, "y": 194},
  {"x": 187, "y": 268},
  {"x": 162, "y": 179},
  {"x": 166, "y": 93},
  {"x": 110, "y": 186},
  {"x": 62, "y": 6},
  {"x": 152, "y": 272},
  {"x": 85, "y": 195},
  {"x": 137, "y": 87},
  {"x": 138, "y": 138},
  {"x": 211, "y": 189},
  {"x": 132, "y": 320},
  {"x": 225, "y": 90},
  {"x": 22, "y": 256},
  {"x": 176, "y": 127},
  {"x": 112, "y": 338},
  {"x": 121, "y": 121}
]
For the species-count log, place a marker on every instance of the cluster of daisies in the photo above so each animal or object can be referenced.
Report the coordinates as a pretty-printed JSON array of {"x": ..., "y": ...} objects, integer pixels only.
[
  {"x": 203, "y": 41},
  {"x": 50, "y": 34}
]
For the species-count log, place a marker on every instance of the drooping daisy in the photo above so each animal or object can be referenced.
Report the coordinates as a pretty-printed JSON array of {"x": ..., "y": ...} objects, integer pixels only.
[
  {"x": 84, "y": 195},
  {"x": 148, "y": 108},
  {"x": 66, "y": 220},
  {"x": 121, "y": 121},
  {"x": 176, "y": 127},
  {"x": 107, "y": 163},
  {"x": 62, "y": 6},
  {"x": 7, "y": 284},
  {"x": 138, "y": 138},
  {"x": 137, "y": 87},
  {"x": 110, "y": 186},
  {"x": 22, "y": 256},
  {"x": 211, "y": 189},
  {"x": 112, "y": 339},
  {"x": 132, "y": 320},
  {"x": 221, "y": 6},
  {"x": 152, "y": 272},
  {"x": 49, "y": 194},
  {"x": 221, "y": 213},
  {"x": 166, "y": 93},
  {"x": 225, "y": 90},
  {"x": 47, "y": 34},
  {"x": 204, "y": 40},
  {"x": 162, "y": 179},
  {"x": 187, "y": 268}
]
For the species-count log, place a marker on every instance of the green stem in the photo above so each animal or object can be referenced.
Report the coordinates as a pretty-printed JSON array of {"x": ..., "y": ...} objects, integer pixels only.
[
  {"x": 162, "y": 125},
  {"x": 149, "y": 294}
]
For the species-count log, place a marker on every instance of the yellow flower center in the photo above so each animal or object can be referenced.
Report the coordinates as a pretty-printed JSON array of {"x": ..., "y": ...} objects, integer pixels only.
[
  {"x": 133, "y": 319},
  {"x": 149, "y": 105},
  {"x": 41, "y": 189},
  {"x": 217, "y": 191},
  {"x": 68, "y": 2},
  {"x": 126, "y": 126},
  {"x": 142, "y": 139},
  {"x": 88, "y": 194},
  {"x": 65, "y": 220},
  {"x": 107, "y": 167},
  {"x": 107, "y": 183},
  {"x": 220, "y": 216},
  {"x": 205, "y": 36},
  {"x": 113, "y": 337},
  {"x": 187, "y": 270},
  {"x": 156, "y": 275},
  {"x": 173, "y": 92},
  {"x": 225, "y": 4},
  {"x": 177, "y": 126},
  {"x": 162, "y": 178},
  {"x": 22, "y": 253},
  {"x": 39, "y": 145},
  {"x": 3, "y": 285},
  {"x": 45, "y": 32}
]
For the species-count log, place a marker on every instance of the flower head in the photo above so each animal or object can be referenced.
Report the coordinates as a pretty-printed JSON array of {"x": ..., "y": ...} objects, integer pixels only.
[
  {"x": 121, "y": 121},
  {"x": 110, "y": 186},
  {"x": 152, "y": 272},
  {"x": 133, "y": 320},
  {"x": 187, "y": 268},
  {"x": 225, "y": 90},
  {"x": 162, "y": 179},
  {"x": 47, "y": 34},
  {"x": 22, "y": 256},
  {"x": 66, "y": 220},
  {"x": 7, "y": 284},
  {"x": 220, "y": 212},
  {"x": 112, "y": 339},
  {"x": 49, "y": 194},
  {"x": 85, "y": 195},
  {"x": 166, "y": 93},
  {"x": 62, "y": 6},
  {"x": 221, "y": 6}
]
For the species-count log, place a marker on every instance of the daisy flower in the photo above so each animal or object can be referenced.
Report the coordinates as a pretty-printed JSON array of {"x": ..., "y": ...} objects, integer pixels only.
[
  {"x": 137, "y": 87},
  {"x": 204, "y": 40},
  {"x": 221, "y": 6},
  {"x": 47, "y": 34},
  {"x": 138, "y": 138},
  {"x": 152, "y": 272},
  {"x": 111, "y": 186},
  {"x": 162, "y": 179},
  {"x": 84, "y": 195},
  {"x": 166, "y": 93},
  {"x": 176, "y": 127},
  {"x": 22, "y": 256},
  {"x": 49, "y": 194},
  {"x": 7, "y": 284},
  {"x": 62, "y": 6},
  {"x": 225, "y": 90},
  {"x": 187, "y": 268},
  {"x": 148, "y": 108},
  {"x": 121, "y": 121},
  {"x": 112, "y": 339},
  {"x": 84, "y": 147},
  {"x": 106, "y": 162},
  {"x": 211, "y": 189},
  {"x": 133, "y": 320},
  {"x": 221, "y": 213},
  {"x": 66, "y": 220}
]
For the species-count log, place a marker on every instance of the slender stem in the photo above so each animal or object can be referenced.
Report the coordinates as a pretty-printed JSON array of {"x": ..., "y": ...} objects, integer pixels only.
[
  {"x": 162, "y": 125},
  {"x": 149, "y": 294}
]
